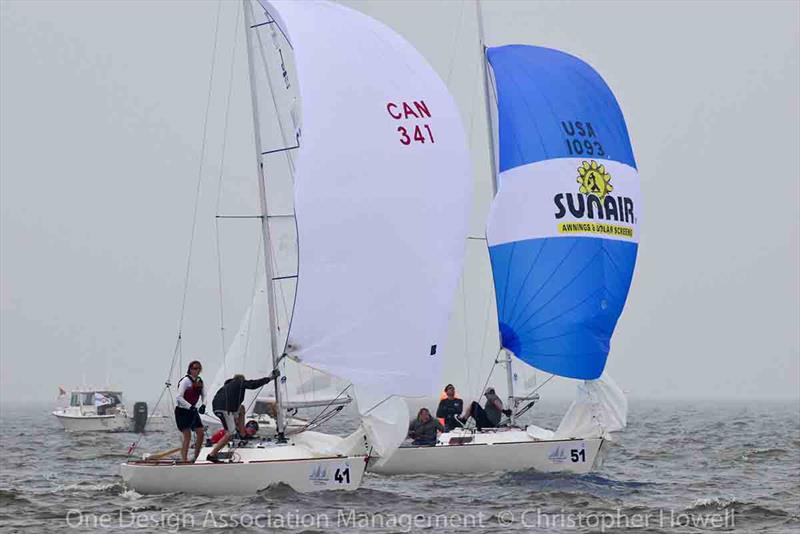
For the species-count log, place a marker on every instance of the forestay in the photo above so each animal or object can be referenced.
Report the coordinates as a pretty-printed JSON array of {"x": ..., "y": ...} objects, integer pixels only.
[
  {"x": 382, "y": 191},
  {"x": 563, "y": 230}
]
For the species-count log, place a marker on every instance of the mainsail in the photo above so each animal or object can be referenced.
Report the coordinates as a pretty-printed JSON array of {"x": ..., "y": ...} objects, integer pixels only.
[
  {"x": 381, "y": 196},
  {"x": 245, "y": 355},
  {"x": 563, "y": 229}
]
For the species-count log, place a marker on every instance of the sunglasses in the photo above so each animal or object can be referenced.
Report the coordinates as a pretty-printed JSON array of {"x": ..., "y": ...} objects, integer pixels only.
[{"x": 196, "y": 368}]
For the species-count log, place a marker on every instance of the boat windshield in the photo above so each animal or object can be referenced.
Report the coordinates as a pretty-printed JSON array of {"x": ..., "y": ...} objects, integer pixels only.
[
  {"x": 113, "y": 397},
  {"x": 95, "y": 398}
]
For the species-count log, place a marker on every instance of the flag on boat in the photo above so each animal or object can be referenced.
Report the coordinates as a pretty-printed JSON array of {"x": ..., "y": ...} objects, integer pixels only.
[
  {"x": 61, "y": 391},
  {"x": 563, "y": 230}
]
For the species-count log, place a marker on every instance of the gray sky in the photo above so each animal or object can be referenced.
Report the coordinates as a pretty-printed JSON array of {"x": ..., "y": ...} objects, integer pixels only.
[{"x": 102, "y": 107}]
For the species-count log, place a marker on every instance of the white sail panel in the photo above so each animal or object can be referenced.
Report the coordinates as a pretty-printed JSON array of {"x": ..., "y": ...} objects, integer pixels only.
[
  {"x": 599, "y": 409},
  {"x": 383, "y": 420},
  {"x": 245, "y": 355},
  {"x": 382, "y": 193}
]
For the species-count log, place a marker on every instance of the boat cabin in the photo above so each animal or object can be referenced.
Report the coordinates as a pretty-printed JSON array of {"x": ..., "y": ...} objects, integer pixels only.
[{"x": 95, "y": 402}]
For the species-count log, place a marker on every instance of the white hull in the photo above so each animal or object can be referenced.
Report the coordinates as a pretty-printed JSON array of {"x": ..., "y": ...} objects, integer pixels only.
[
  {"x": 503, "y": 450},
  {"x": 94, "y": 423},
  {"x": 252, "y": 470},
  {"x": 119, "y": 422}
]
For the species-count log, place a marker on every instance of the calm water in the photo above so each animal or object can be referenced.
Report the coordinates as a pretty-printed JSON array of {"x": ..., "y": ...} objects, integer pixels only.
[{"x": 679, "y": 467}]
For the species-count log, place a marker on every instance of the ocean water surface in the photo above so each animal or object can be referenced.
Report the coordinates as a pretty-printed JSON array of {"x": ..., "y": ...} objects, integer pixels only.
[{"x": 678, "y": 467}]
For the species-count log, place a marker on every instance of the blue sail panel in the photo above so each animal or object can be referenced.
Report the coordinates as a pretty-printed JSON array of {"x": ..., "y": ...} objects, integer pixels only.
[
  {"x": 563, "y": 230},
  {"x": 550, "y": 105}
]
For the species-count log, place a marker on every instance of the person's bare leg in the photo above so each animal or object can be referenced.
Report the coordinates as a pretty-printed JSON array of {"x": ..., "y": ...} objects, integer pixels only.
[
  {"x": 198, "y": 441},
  {"x": 240, "y": 421},
  {"x": 221, "y": 443},
  {"x": 187, "y": 437}
]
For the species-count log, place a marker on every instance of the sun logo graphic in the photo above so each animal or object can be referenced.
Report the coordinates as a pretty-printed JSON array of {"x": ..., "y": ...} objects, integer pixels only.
[{"x": 594, "y": 179}]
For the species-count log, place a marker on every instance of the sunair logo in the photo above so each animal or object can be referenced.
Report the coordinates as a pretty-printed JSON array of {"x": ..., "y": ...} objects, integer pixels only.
[
  {"x": 594, "y": 179},
  {"x": 594, "y": 201}
]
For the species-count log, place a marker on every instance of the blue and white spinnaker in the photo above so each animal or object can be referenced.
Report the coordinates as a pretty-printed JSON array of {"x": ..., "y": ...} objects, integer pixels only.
[{"x": 563, "y": 230}]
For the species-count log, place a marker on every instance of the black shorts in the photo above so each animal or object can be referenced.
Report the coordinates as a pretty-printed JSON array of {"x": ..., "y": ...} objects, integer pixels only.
[{"x": 187, "y": 419}]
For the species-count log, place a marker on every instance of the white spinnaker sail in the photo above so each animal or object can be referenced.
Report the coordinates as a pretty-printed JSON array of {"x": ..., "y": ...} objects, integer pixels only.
[
  {"x": 599, "y": 409},
  {"x": 382, "y": 192}
]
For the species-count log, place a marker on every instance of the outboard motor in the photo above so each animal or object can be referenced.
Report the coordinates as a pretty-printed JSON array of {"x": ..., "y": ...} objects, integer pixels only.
[{"x": 139, "y": 416}]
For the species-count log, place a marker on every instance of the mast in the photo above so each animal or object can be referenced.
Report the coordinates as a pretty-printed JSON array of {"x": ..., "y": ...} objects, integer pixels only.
[
  {"x": 511, "y": 402},
  {"x": 262, "y": 197},
  {"x": 486, "y": 91}
]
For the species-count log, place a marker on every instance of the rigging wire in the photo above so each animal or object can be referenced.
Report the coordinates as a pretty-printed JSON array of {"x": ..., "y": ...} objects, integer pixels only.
[
  {"x": 249, "y": 329},
  {"x": 219, "y": 183},
  {"x": 466, "y": 329},
  {"x": 178, "y": 353},
  {"x": 149, "y": 418},
  {"x": 486, "y": 335},
  {"x": 489, "y": 377},
  {"x": 250, "y": 313},
  {"x": 532, "y": 397},
  {"x": 537, "y": 388},
  {"x": 455, "y": 42},
  {"x": 322, "y": 416}
]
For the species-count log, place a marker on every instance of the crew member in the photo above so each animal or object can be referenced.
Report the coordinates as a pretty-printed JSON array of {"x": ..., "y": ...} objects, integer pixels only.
[
  {"x": 226, "y": 405},
  {"x": 423, "y": 430},
  {"x": 187, "y": 415},
  {"x": 449, "y": 407}
]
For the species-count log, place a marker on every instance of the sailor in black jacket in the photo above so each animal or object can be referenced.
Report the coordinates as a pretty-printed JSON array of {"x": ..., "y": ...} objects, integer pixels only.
[
  {"x": 449, "y": 408},
  {"x": 226, "y": 405}
]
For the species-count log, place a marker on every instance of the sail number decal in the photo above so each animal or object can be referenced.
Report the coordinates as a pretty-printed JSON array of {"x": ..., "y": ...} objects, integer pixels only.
[
  {"x": 325, "y": 474},
  {"x": 581, "y": 139},
  {"x": 558, "y": 454},
  {"x": 342, "y": 476},
  {"x": 411, "y": 132}
]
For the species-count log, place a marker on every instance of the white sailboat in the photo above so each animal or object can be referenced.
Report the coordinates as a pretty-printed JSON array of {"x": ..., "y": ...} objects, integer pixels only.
[
  {"x": 562, "y": 239},
  {"x": 379, "y": 210}
]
